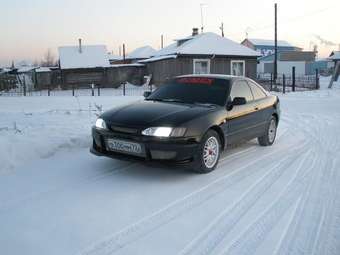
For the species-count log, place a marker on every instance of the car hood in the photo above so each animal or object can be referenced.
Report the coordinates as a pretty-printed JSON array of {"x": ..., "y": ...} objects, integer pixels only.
[{"x": 153, "y": 113}]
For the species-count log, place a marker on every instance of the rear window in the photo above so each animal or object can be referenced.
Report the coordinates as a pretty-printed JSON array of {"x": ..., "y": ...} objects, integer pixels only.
[
  {"x": 194, "y": 90},
  {"x": 257, "y": 92}
]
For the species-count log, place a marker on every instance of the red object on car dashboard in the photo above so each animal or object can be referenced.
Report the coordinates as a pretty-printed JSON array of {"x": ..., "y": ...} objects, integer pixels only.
[{"x": 196, "y": 80}]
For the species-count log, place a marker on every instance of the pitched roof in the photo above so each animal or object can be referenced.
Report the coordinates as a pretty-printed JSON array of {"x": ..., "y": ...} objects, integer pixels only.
[
  {"x": 268, "y": 42},
  {"x": 90, "y": 56},
  {"x": 114, "y": 57},
  {"x": 335, "y": 55},
  {"x": 42, "y": 69},
  {"x": 26, "y": 69},
  {"x": 154, "y": 59},
  {"x": 142, "y": 53},
  {"x": 208, "y": 44}
]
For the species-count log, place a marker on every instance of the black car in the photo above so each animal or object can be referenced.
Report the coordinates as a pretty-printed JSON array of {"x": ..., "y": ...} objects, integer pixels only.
[{"x": 189, "y": 120}]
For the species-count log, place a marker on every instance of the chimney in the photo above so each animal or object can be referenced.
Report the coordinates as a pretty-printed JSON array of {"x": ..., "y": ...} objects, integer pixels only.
[
  {"x": 80, "y": 47},
  {"x": 194, "y": 31}
]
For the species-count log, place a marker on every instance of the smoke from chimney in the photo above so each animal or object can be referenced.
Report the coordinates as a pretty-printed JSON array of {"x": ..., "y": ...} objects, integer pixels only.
[
  {"x": 194, "y": 31},
  {"x": 80, "y": 46}
]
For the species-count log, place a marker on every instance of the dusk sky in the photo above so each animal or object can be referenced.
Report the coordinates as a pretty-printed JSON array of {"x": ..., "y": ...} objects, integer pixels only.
[{"x": 29, "y": 27}]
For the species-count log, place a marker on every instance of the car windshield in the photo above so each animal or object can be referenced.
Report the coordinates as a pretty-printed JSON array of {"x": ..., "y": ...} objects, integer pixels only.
[{"x": 193, "y": 90}]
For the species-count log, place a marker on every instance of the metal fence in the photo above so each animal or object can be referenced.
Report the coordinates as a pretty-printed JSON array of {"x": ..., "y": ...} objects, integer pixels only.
[
  {"x": 123, "y": 90},
  {"x": 289, "y": 83}
]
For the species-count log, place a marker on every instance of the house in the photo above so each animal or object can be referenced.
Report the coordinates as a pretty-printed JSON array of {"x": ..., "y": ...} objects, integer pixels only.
[
  {"x": 201, "y": 54},
  {"x": 140, "y": 54},
  {"x": 267, "y": 47},
  {"x": 324, "y": 66},
  {"x": 43, "y": 77},
  {"x": 301, "y": 60},
  {"x": 83, "y": 65},
  {"x": 115, "y": 59},
  {"x": 335, "y": 57}
]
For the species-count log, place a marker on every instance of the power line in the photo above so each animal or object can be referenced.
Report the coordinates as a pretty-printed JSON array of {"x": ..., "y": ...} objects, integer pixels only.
[{"x": 286, "y": 21}]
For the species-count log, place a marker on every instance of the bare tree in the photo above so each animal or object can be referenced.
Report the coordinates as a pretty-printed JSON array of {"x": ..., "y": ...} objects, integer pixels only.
[{"x": 49, "y": 59}]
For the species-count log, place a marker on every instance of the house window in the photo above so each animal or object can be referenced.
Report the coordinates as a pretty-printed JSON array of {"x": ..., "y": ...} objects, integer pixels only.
[
  {"x": 238, "y": 67},
  {"x": 201, "y": 66}
]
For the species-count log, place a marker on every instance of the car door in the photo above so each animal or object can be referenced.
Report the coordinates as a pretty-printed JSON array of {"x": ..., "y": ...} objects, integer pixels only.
[
  {"x": 241, "y": 118},
  {"x": 262, "y": 111}
]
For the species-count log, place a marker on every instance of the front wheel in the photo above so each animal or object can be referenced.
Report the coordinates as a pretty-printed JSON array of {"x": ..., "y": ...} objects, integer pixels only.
[
  {"x": 269, "y": 137},
  {"x": 209, "y": 153}
]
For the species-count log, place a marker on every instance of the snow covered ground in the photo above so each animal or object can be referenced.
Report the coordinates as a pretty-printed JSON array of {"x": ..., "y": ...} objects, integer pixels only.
[{"x": 56, "y": 198}]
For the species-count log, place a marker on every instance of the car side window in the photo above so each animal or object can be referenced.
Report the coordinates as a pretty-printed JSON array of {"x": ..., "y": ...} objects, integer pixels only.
[
  {"x": 241, "y": 89},
  {"x": 257, "y": 92}
]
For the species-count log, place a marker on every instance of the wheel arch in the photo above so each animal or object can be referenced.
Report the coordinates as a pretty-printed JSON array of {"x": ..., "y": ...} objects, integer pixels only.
[{"x": 220, "y": 133}]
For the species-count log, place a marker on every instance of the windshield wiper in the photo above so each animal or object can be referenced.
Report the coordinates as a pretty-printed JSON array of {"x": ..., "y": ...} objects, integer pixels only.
[
  {"x": 171, "y": 100},
  {"x": 206, "y": 104},
  {"x": 174, "y": 100}
]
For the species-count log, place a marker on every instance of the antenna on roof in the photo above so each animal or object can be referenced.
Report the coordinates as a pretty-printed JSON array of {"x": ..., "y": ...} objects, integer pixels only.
[
  {"x": 248, "y": 29},
  {"x": 222, "y": 29},
  {"x": 202, "y": 21}
]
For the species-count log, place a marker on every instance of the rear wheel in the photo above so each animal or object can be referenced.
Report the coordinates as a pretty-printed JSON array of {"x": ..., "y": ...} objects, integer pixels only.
[
  {"x": 209, "y": 153},
  {"x": 269, "y": 137}
]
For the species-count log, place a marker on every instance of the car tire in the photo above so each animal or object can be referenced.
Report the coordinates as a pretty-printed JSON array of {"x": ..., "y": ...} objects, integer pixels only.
[
  {"x": 270, "y": 134},
  {"x": 208, "y": 153}
]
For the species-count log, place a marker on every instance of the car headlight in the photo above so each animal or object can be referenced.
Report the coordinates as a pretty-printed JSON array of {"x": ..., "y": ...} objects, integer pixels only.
[
  {"x": 164, "y": 132},
  {"x": 100, "y": 123}
]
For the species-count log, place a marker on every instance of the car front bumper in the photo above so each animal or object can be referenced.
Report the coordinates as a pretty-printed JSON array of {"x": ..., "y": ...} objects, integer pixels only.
[{"x": 171, "y": 150}]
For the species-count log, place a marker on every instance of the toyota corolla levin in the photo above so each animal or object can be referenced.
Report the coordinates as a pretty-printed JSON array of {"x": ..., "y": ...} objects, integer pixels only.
[{"x": 189, "y": 120}]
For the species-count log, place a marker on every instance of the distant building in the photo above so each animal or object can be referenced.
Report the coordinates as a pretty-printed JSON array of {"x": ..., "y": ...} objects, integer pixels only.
[
  {"x": 115, "y": 59},
  {"x": 83, "y": 65},
  {"x": 285, "y": 62},
  {"x": 140, "y": 54},
  {"x": 202, "y": 54},
  {"x": 335, "y": 57},
  {"x": 267, "y": 47}
]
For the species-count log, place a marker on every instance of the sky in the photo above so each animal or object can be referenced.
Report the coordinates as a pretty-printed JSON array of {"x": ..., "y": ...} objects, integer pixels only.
[{"x": 28, "y": 28}]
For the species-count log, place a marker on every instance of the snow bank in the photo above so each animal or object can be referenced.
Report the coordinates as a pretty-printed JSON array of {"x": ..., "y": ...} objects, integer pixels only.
[{"x": 38, "y": 127}]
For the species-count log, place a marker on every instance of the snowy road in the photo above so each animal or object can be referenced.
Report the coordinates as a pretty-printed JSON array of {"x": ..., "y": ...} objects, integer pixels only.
[{"x": 283, "y": 199}]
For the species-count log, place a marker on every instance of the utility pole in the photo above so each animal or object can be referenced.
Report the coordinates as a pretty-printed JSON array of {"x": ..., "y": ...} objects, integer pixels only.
[
  {"x": 248, "y": 29},
  {"x": 275, "y": 50},
  {"x": 162, "y": 41},
  {"x": 202, "y": 21},
  {"x": 222, "y": 29}
]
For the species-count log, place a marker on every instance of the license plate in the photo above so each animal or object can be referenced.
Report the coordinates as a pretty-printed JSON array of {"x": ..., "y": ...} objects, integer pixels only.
[{"x": 124, "y": 146}]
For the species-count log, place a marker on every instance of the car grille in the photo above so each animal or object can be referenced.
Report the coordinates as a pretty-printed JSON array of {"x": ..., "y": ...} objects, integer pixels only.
[{"x": 125, "y": 130}]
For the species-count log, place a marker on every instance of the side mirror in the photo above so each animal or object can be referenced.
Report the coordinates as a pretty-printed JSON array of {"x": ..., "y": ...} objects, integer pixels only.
[
  {"x": 147, "y": 94},
  {"x": 239, "y": 101},
  {"x": 236, "y": 101}
]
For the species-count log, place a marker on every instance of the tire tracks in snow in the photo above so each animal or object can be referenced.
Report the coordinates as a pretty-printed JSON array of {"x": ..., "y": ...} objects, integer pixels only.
[
  {"x": 151, "y": 222},
  {"x": 312, "y": 224},
  {"x": 213, "y": 235},
  {"x": 251, "y": 237},
  {"x": 8, "y": 205}
]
